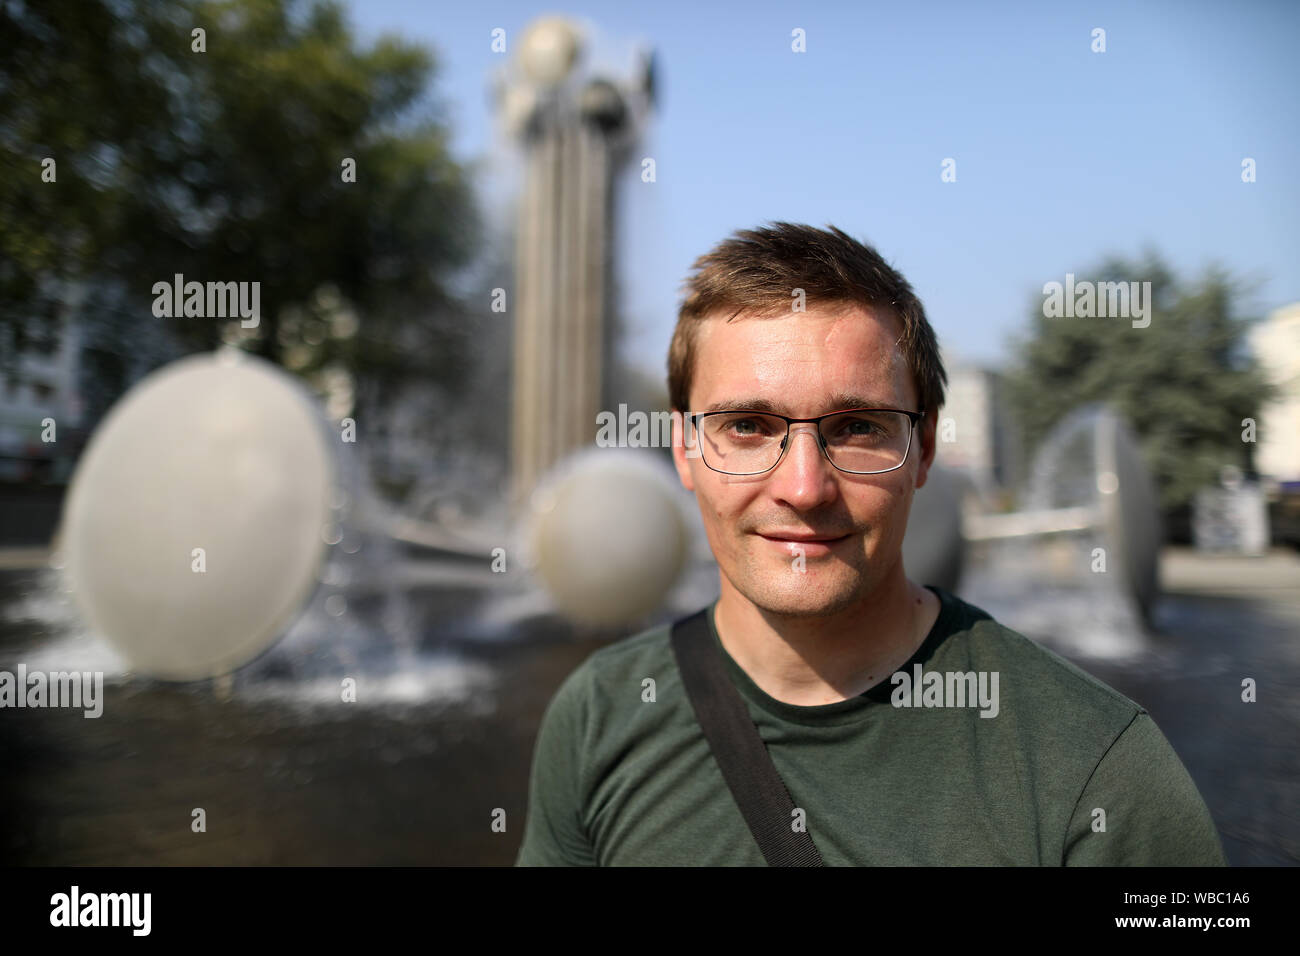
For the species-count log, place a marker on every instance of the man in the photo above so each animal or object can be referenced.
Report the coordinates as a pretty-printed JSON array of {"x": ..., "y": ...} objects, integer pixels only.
[{"x": 821, "y": 631}]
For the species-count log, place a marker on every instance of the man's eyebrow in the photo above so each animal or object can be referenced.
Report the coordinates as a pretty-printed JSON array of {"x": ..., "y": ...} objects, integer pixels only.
[
  {"x": 747, "y": 404},
  {"x": 838, "y": 401}
]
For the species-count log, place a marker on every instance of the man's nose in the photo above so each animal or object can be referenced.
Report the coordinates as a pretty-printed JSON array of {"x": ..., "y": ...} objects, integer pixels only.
[{"x": 804, "y": 478}]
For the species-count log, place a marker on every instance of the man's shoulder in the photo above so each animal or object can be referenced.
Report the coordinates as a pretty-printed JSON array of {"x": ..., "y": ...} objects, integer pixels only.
[
  {"x": 1092, "y": 747},
  {"x": 1034, "y": 674},
  {"x": 648, "y": 643},
  {"x": 633, "y": 658}
]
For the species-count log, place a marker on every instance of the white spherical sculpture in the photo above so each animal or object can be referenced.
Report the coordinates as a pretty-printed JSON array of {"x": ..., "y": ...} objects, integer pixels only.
[
  {"x": 934, "y": 551},
  {"x": 549, "y": 49},
  {"x": 195, "y": 524},
  {"x": 607, "y": 536}
]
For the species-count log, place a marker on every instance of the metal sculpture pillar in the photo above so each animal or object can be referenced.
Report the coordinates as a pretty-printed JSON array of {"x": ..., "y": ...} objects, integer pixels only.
[{"x": 575, "y": 130}]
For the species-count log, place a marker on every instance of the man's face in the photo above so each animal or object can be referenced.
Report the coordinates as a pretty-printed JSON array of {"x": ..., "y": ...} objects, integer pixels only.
[{"x": 829, "y": 358}]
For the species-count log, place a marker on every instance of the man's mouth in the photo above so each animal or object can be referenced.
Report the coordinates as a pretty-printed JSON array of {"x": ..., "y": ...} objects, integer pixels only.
[{"x": 806, "y": 543}]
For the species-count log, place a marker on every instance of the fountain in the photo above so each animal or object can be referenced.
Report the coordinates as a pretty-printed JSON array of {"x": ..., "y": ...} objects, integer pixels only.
[
  {"x": 1080, "y": 565},
  {"x": 215, "y": 508}
]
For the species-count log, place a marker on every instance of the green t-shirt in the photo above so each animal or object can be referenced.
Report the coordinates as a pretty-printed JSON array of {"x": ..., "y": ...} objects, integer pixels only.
[{"x": 619, "y": 779}]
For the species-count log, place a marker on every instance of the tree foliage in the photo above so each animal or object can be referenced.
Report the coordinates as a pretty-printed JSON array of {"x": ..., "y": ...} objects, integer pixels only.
[{"x": 227, "y": 165}]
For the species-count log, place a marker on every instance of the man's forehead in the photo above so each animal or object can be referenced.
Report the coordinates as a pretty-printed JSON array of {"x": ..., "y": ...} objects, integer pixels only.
[{"x": 841, "y": 355}]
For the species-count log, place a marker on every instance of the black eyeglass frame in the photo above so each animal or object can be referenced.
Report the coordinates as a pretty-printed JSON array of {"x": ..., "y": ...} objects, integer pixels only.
[{"x": 913, "y": 418}]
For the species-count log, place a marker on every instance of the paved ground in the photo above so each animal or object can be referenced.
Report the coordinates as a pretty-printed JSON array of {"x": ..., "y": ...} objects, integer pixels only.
[
  {"x": 1221, "y": 620},
  {"x": 285, "y": 778}
]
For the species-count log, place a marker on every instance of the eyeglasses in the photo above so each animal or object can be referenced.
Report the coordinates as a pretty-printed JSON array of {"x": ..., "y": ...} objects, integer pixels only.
[{"x": 860, "y": 441}]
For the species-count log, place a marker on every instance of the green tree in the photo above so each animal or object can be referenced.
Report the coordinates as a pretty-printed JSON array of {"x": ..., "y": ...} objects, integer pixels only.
[
  {"x": 230, "y": 164},
  {"x": 1184, "y": 382}
]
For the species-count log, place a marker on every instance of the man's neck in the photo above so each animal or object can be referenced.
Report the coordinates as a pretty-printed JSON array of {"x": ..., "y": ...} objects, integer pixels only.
[{"x": 810, "y": 661}]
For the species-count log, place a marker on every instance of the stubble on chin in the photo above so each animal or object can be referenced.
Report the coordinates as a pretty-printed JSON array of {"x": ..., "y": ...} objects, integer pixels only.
[{"x": 827, "y": 586}]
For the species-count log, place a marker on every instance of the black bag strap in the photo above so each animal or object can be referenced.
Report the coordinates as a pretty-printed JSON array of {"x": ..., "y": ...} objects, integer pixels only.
[{"x": 739, "y": 751}]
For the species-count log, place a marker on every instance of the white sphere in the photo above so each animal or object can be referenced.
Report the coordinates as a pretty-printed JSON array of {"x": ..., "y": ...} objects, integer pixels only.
[
  {"x": 219, "y": 452},
  {"x": 549, "y": 49},
  {"x": 933, "y": 546},
  {"x": 608, "y": 537}
]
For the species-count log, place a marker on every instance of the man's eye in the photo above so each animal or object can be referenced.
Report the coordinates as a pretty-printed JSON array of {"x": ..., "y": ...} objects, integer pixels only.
[
  {"x": 746, "y": 427},
  {"x": 857, "y": 429}
]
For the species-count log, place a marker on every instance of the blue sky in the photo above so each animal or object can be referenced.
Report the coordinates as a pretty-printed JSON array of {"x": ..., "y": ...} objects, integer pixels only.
[{"x": 1062, "y": 155}]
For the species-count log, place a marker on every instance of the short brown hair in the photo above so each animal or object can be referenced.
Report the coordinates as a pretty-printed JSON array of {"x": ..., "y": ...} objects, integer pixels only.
[{"x": 755, "y": 270}]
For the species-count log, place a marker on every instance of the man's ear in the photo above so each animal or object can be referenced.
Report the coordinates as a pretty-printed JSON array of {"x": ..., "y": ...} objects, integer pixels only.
[
  {"x": 925, "y": 434},
  {"x": 681, "y": 444}
]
